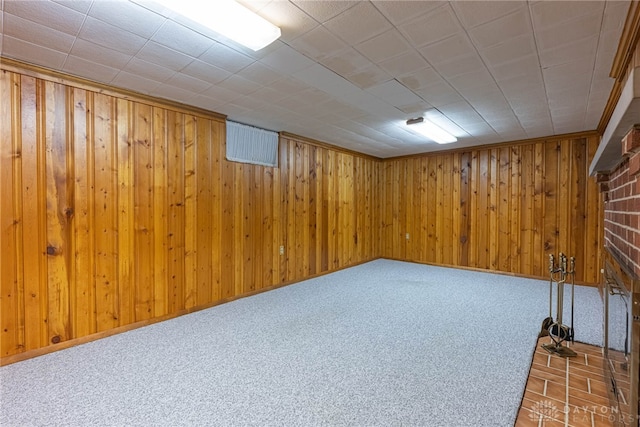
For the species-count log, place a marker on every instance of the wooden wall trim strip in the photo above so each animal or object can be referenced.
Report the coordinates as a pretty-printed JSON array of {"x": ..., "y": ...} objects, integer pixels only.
[{"x": 43, "y": 73}]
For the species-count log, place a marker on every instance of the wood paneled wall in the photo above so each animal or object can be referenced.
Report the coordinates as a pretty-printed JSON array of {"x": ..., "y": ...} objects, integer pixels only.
[
  {"x": 115, "y": 211},
  {"x": 503, "y": 208}
]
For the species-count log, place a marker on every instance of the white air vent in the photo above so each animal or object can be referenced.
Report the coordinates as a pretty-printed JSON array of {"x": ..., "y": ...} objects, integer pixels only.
[{"x": 248, "y": 144}]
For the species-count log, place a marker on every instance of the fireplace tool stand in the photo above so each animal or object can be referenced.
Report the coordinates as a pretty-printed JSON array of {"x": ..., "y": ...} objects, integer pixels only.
[{"x": 556, "y": 330}]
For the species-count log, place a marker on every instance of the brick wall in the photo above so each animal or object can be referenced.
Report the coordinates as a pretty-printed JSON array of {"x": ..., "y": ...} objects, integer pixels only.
[{"x": 622, "y": 206}]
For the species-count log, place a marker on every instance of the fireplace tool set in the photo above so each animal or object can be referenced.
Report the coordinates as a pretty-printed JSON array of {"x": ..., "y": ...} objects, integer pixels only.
[{"x": 555, "y": 329}]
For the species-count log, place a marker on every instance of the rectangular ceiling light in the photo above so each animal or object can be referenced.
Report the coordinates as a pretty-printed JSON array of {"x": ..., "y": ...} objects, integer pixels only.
[
  {"x": 430, "y": 130},
  {"x": 228, "y": 18}
]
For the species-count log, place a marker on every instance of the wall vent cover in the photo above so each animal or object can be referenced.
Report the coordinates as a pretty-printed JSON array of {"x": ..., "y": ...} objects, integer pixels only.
[{"x": 249, "y": 144}]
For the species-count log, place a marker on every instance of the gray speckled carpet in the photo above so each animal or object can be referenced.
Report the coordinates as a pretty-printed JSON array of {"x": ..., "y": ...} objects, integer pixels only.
[{"x": 386, "y": 343}]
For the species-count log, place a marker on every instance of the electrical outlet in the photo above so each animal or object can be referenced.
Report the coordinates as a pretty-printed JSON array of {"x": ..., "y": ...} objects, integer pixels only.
[
  {"x": 406, "y": 236},
  {"x": 281, "y": 250}
]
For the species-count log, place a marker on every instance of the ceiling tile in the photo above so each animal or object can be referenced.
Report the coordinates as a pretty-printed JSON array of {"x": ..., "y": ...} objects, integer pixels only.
[
  {"x": 287, "y": 60},
  {"x": 81, "y": 6},
  {"x": 207, "y": 72},
  {"x": 547, "y": 14},
  {"x": 384, "y": 46},
  {"x": 89, "y": 70},
  {"x": 394, "y": 93},
  {"x": 99, "y": 54},
  {"x": 239, "y": 85},
  {"x": 563, "y": 53},
  {"x": 346, "y": 62},
  {"x": 28, "y": 31},
  {"x": 615, "y": 13},
  {"x": 269, "y": 95},
  {"x": 323, "y": 11},
  {"x": 53, "y": 15},
  {"x": 432, "y": 27},
  {"x": 249, "y": 103},
  {"x": 148, "y": 70},
  {"x": 289, "y": 85},
  {"x": 419, "y": 79},
  {"x": 178, "y": 37},
  {"x": 226, "y": 58},
  {"x": 172, "y": 93},
  {"x": 405, "y": 64},
  {"x": 477, "y": 82},
  {"x": 318, "y": 43},
  {"x": 509, "y": 50},
  {"x": 581, "y": 27},
  {"x": 259, "y": 73},
  {"x": 35, "y": 54},
  {"x": 221, "y": 95},
  {"x": 368, "y": 76},
  {"x": 474, "y": 13},
  {"x": 107, "y": 35},
  {"x": 507, "y": 27},
  {"x": 439, "y": 93},
  {"x": 569, "y": 73},
  {"x": 127, "y": 15},
  {"x": 461, "y": 113},
  {"x": 186, "y": 82},
  {"x": 133, "y": 82},
  {"x": 448, "y": 49},
  {"x": 293, "y": 22},
  {"x": 400, "y": 11},
  {"x": 163, "y": 56},
  {"x": 358, "y": 23},
  {"x": 459, "y": 65},
  {"x": 416, "y": 108},
  {"x": 520, "y": 66}
]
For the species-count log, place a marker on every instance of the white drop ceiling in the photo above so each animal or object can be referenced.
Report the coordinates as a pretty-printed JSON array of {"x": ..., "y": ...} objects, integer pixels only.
[{"x": 349, "y": 73}]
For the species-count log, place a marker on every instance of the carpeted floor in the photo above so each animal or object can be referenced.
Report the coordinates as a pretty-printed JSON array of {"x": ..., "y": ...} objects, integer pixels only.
[{"x": 381, "y": 344}]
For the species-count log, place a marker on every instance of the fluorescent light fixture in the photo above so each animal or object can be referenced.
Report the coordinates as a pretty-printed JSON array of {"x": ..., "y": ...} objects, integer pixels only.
[
  {"x": 228, "y": 18},
  {"x": 430, "y": 130}
]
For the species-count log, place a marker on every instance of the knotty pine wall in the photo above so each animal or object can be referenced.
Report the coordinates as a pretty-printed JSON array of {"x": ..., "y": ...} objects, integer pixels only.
[
  {"x": 503, "y": 208},
  {"x": 115, "y": 211}
]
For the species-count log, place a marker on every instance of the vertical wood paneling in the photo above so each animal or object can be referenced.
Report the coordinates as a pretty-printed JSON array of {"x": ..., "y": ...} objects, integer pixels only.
[
  {"x": 57, "y": 217},
  {"x": 176, "y": 211},
  {"x": 204, "y": 212},
  {"x": 143, "y": 208},
  {"x": 124, "y": 212},
  {"x": 509, "y": 206},
  {"x": 33, "y": 193},
  {"x": 9, "y": 305},
  {"x": 190, "y": 198},
  {"x": 125, "y": 205},
  {"x": 160, "y": 235},
  {"x": 104, "y": 227}
]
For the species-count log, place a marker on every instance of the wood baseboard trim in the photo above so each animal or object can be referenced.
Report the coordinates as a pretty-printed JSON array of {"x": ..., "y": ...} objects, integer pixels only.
[{"x": 30, "y": 354}]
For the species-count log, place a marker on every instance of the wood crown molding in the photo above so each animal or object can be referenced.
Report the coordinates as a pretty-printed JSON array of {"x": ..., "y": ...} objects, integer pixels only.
[{"x": 12, "y": 65}]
